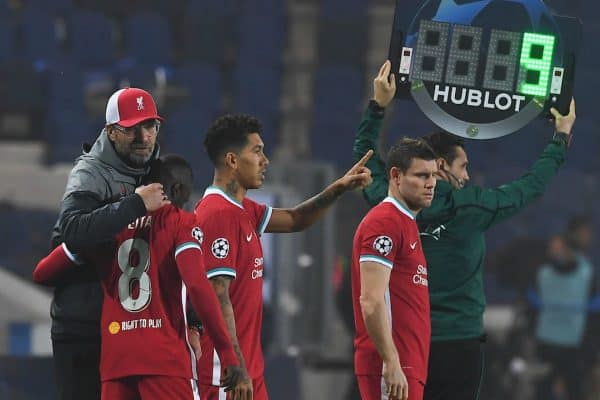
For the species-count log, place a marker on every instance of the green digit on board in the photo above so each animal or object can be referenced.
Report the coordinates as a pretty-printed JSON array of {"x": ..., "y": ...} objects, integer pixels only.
[{"x": 535, "y": 64}]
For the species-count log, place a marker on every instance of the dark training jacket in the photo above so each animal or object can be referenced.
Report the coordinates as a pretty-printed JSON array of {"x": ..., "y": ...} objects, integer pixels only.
[{"x": 99, "y": 201}]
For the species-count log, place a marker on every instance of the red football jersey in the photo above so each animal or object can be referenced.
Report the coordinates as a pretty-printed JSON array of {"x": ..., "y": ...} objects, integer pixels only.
[
  {"x": 143, "y": 324},
  {"x": 232, "y": 248},
  {"x": 388, "y": 235}
]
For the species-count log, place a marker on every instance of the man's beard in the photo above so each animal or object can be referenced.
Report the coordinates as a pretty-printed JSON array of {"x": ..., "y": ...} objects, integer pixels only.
[{"x": 130, "y": 158}]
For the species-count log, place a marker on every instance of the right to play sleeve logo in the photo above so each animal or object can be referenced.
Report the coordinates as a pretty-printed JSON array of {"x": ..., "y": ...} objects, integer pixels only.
[
  {"x": 383, "y": 245},
  {"x": 220, "y": 248}
]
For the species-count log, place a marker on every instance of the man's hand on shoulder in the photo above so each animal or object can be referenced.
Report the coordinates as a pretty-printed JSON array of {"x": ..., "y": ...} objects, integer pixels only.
[
  {"x": 384, "y": 85},
  {"x": 153, "y": 196}
]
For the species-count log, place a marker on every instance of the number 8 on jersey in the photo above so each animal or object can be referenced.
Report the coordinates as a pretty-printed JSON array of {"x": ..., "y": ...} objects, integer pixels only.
[{"x": 134, "y": 260}]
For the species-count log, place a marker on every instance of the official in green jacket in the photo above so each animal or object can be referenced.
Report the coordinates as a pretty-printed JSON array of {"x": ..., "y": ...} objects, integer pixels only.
[{"x": 452, "y": 234}]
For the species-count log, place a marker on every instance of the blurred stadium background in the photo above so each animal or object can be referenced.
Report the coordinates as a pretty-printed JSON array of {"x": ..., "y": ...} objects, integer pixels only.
[{"x": 304, "y": 67}]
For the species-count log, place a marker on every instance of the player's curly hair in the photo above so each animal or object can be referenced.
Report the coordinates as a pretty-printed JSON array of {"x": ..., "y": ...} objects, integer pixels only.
[
  {"x": 405, "y": 150},
  {"x": 229, "y": 133},
  {"x": 444, "y": 145}
]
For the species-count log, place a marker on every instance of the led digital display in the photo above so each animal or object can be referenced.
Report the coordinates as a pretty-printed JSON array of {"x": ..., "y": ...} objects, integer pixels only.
[
  {"x": 536, "y": 64},
  {"x": 501, "y": 65},
  {"x": 477, "y": 70}
]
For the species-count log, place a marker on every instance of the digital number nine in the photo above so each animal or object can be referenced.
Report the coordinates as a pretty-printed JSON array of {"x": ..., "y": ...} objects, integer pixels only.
[{"x": 534, "y": 59}]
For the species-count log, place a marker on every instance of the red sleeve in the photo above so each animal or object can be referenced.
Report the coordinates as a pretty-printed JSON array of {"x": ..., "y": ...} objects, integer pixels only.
[
  {"x": 51, "y": 268},
  {"x": 380, "y": 239},
  {"x": 221, "y": 243},
  {"x": 260, "y": 212},
  {"x": 188, "y": 255}
]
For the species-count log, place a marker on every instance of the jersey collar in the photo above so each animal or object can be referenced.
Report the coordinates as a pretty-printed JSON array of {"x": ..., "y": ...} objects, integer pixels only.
[
  {"x": 402, "y": 208},
  {"x": 215, "y": 190}
]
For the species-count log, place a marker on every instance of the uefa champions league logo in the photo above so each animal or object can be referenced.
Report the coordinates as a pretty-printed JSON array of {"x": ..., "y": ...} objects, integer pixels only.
[
  {"x": 383, "y": 245},
  {"x": 220, "y": 248}
]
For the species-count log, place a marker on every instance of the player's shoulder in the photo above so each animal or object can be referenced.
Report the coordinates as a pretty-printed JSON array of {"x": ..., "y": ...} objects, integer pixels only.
[
  {"x": 248, "y": 203},
  {"x": 383, "y": 217},
  {"x": 216, "y": 198},
  {"x": 87, "y": 177},
  {"x": 216, "y": 213},
  {"x": 183, "y": 216},
  {"x": 169, "y": 215},
  {"x": 384, "y": 211}
]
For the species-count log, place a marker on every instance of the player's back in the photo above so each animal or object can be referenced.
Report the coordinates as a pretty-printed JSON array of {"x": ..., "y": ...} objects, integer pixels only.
[{"x": 143, "y": 318}]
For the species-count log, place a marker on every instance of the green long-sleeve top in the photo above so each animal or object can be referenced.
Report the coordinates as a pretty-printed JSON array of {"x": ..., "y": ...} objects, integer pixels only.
[{"x": 452, "y": 229}]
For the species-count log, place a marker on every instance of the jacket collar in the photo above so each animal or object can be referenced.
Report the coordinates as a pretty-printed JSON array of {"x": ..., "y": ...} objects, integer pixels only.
[{"x": 103, "y": 151}]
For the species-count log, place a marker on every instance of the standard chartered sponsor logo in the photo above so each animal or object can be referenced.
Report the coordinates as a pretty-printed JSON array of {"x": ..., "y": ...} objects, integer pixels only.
[
  {"x": 257, "y": 272},
  {"x": 420, "y": 278}
]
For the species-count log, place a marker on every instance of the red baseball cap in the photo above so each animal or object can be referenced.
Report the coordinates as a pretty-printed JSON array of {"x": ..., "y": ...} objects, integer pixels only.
[{"x": 130, "y": 106}]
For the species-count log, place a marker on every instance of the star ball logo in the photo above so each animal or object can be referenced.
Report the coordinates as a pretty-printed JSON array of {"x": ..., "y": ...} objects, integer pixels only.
[
  {"x": 220, "y": 248},
  {"x": 198, "y": 234},
  {"x": 383, "y": 245}
]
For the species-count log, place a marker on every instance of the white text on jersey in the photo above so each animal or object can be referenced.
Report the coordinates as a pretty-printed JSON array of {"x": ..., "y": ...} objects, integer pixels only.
[
  {"x": 257, "y": 272},
  {"x": 420, "y": 278},
  {"x": 141, "y": 222}
]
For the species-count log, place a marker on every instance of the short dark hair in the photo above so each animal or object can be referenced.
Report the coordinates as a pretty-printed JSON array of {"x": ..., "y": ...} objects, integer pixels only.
[
  {"x": 229, "y": 132},
  {"x": 444, "y": 145},
  {"x": 169, "y": 169},
  {"x": 403, "y": 152}
]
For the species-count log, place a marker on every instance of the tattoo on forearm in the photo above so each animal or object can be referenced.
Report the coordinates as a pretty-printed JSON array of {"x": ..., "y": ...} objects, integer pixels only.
[
  {"x": 221, "y": 287},
  {"x": 320, "y": 201}
]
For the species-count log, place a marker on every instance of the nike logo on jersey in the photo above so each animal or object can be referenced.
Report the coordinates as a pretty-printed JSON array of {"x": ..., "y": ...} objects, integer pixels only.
[
  {"x": 413, "y": 245},
  {"x": 249, "y": 237}
]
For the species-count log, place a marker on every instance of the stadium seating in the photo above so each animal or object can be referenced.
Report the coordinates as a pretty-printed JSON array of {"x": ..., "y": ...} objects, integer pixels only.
[
  {"x": 257, "y": 91},
  {"x": 27, "y": 237},
  {"x": 210, "y": 32},
  {"x": 22, "y": 96},
  {"x": 40, "y": 40},
  {"x": 343, "y": 32},
  {"x": 183, "y": 134},
  {"x": 54, "y": 7},
  {"x": 338, "y": 99},
  {"x": 148, "y": 46},
  {"x": 262, "y": 38},
  {"x": 344, "y": 8},
  {"x": 92, "y": 39},
  {"x": 271, "y": 7},
  {"x": 203, "y": 84},
  {"x": 8, "y": 34},
  {"x": 15, "y": 378}
]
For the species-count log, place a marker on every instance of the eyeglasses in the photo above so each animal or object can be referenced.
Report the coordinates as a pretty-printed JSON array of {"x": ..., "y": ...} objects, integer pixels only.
[{"x": 150, "y": 125}]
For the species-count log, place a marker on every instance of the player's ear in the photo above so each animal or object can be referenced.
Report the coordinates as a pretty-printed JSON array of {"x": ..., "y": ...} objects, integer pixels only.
[
  {"x": 395, "y": 174},
  {"x": 180, "y": 193},
  {"x": 441, "y": 164},
  {"x": 231, "y": 159},
  {"x": 110, "y": 132}
]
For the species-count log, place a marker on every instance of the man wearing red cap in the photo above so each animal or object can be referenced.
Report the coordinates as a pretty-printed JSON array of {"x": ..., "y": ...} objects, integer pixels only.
[{"x": 101, "y": 197}]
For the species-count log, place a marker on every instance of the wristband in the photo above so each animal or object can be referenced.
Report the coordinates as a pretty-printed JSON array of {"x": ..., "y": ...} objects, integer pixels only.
[{"x": 563, "y": 138}]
